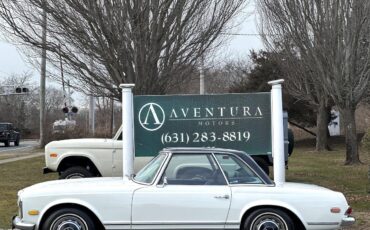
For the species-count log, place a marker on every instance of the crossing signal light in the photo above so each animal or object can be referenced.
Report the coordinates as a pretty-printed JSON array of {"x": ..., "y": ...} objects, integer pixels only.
[
  {"x": 21, "y": 90},
  {"x": 74, "y": 109}
]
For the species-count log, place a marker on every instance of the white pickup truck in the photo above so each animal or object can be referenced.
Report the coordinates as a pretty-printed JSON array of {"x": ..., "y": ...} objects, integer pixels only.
[{"x": 89, "y": 157}]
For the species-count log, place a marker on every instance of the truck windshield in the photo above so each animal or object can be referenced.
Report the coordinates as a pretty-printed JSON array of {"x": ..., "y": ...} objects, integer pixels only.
[
  {"x": 146, "y": 175},
  {"x": 2, "y": 127}
]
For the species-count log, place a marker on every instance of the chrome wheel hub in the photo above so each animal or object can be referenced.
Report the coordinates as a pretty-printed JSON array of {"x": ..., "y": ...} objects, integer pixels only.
[
  {"x": 269, "y": 221},
  {"x": 69, "y": 222}
]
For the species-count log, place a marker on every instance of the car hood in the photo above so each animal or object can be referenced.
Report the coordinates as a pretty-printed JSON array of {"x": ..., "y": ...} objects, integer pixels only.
[
  {"x": 81, "y": 143},
  {"x": 79, "y": 186}
]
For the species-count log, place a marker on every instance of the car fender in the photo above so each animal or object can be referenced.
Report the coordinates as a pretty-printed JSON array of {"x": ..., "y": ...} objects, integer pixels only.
[
  {"x": 275, "y": 203},
  {"x": 65, "y": 201},
  {"x": 78, "y": 154}
]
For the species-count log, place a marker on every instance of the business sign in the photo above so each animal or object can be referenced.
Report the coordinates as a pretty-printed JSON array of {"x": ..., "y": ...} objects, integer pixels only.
[{"x": 234, "y": 121}]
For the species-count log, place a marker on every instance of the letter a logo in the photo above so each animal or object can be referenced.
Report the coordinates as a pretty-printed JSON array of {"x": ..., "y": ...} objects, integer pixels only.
[{"x": 151, "y": 116}]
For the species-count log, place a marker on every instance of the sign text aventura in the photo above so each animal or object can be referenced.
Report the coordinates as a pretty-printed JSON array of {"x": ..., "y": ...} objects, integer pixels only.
[{"x": 237, "y": 121}]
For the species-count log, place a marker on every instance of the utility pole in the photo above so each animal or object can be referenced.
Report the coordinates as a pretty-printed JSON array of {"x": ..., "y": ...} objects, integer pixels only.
[
  {"x": 112, "y": 116},
  {"x": 43, "y": 77},
  {"x": 92, "y": 114},
  {"x": 92, "y": 105},
  {"x": 201, "y": 76}
]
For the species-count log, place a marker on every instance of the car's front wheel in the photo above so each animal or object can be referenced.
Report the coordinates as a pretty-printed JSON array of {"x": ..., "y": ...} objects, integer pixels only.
[
  {"x": 75, "y": 172},
  {"x": 268, "y": 219},
  {"x": 68, "y": 219}
]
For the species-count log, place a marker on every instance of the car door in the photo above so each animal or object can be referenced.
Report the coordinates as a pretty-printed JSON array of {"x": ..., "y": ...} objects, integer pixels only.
[
  {"x": 117, "y": 156},
  {"x": 192, "y": 193}
]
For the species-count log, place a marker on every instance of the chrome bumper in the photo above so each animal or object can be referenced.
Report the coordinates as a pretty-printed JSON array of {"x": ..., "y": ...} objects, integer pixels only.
[
  {"x": 347, "y": 221},
  {"x": 18, "y": 224}
]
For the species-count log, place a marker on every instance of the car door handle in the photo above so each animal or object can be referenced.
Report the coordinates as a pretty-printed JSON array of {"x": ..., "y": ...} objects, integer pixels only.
[{"x": 222, "y": 197}]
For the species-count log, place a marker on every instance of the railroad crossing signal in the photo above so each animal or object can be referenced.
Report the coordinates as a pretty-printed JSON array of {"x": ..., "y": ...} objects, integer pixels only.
[
  {"x": 8, "y": 90},
  {"x": 74, "y": 109},
  {"x": 21, "y": 90}
]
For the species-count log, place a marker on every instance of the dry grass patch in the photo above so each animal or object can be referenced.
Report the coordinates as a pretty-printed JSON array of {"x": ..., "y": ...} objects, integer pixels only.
[{"x": 15, "y": 176}]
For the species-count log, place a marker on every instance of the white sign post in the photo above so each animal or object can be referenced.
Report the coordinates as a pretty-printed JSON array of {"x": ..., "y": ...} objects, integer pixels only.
[
  {"x": 128, "y": 146},
  {"x": 277, "y": 132}
]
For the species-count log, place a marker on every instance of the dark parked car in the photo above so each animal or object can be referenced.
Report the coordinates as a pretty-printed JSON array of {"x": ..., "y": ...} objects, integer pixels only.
[{"x": 9, "y": 134}]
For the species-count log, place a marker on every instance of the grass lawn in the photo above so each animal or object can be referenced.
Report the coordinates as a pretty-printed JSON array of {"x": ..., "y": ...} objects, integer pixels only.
[
  {"x": 328, "y": 170},
  {"x": 306, "y": 166},
  {"x": 15, "y": 176}
]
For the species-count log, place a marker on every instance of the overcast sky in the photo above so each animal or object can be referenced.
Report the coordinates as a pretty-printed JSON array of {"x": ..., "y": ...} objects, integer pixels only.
[{"x": 13, "y": 62}]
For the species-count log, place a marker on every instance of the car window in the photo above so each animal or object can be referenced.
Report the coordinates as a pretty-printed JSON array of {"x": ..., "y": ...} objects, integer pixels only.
[
  {"x": 236, "y": 170},
  {"x": 147, "y": 174},
  {"x": 193, "y": 169}
]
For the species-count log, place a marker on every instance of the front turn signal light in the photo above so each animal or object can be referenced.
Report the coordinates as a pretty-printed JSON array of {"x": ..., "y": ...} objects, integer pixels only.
[
  {"x": 53, "y": 154},
  {"x": 33, "y": 212}
]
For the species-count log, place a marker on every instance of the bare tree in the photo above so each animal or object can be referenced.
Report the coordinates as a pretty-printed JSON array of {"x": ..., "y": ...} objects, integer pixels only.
[
  {"x": 151, "y": 43},
  {"x": 331, "y": 37},
  {"x": 302, "y": 83}
]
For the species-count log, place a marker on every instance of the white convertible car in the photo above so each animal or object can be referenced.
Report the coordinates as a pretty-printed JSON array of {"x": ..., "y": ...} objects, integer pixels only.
[{"x": 183, "y": 188}]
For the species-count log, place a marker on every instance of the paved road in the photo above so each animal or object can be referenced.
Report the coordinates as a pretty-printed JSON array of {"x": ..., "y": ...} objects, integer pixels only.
[
  {"x": 24, "y": 145},
  {"x": 26, "y": 149}
]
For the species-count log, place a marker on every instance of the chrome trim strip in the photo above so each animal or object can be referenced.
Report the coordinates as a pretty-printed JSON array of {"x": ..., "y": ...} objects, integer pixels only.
[
  {"x": 158, "y": 172},
  {"x": 163, "y": 167},
  {"x": 179, "y": 223},
  {"x": 323, "y": 223},
  {"x": 114, "y": 227},
  {"x": 222, "y": 171},
  {"x": 232, "y": 223},
  {"x": 171, "y": 227}
]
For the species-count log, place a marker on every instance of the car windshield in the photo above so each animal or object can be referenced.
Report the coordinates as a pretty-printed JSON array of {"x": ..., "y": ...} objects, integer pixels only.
[{"x": 146, "y": 175}]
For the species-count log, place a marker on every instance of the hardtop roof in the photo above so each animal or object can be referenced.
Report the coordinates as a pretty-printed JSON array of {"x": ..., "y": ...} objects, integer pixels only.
[{"x": 198, "y": 149}]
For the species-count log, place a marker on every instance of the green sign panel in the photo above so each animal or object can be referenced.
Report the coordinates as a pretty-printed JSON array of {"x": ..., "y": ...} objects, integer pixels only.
[{"x": 234, "y": 121}]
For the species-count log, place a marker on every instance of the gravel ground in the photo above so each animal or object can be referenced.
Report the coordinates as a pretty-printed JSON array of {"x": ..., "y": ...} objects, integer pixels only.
[{"x": 362, "y": 221}]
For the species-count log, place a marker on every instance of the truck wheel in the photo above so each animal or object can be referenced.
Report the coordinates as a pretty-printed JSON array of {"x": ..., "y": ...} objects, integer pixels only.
[
  {"x": 76, "y": 172},
  {"x": 268, "y": 218},
  {"x": 6, "y": 143},
  {"x": 68, "y": 219},
  {"x": 263, "y": 164},
  {"x": 16, "y": 142}
]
